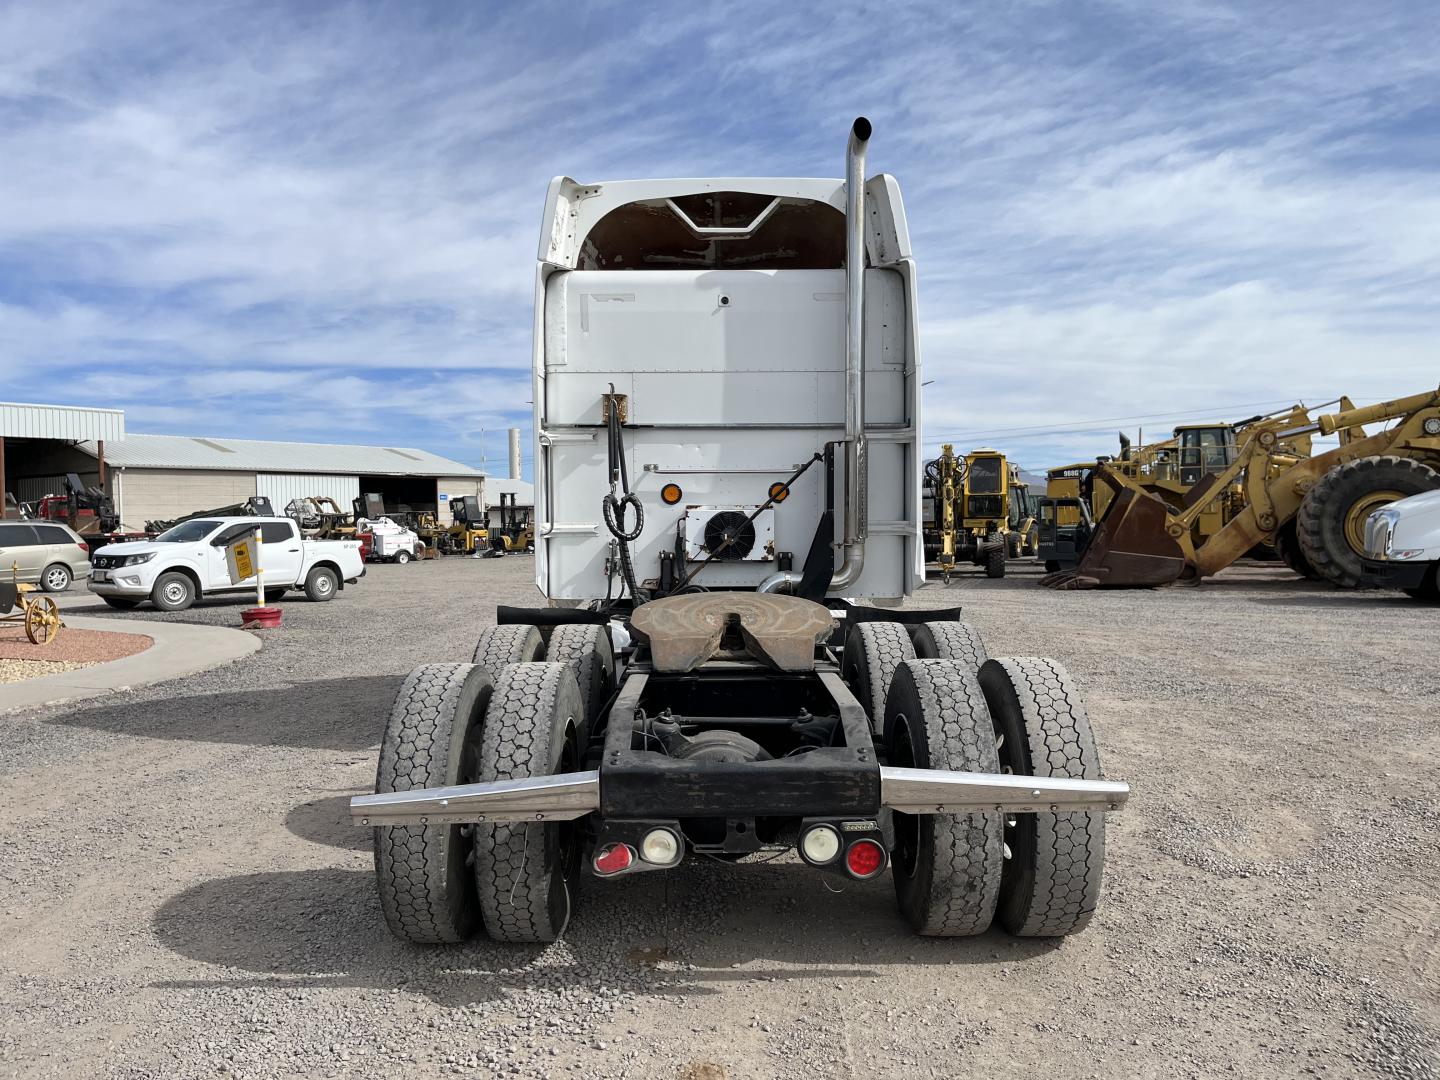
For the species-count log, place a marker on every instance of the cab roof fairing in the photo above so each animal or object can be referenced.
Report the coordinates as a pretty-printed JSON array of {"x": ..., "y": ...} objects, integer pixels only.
[{"x": 572, "y": 209}]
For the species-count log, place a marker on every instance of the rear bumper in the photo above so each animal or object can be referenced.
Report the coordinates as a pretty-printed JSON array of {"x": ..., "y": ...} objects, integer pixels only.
[
  {"x": 1384, "y": 574},
  {"x": 572, "y": 795}
]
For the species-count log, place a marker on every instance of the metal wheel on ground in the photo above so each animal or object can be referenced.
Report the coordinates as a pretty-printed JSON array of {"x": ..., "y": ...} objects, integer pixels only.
[
  {"x": 947, "y": 867},
  {"x": 1331, "y": 521},
  {"x": 873, "y": 652},
  {"x": 432, "y": 739},
  {"x": 950, "y": 641},
  {"x": 526, "y": 872},
  {"x": 499, "y": 646},
  {"x": 586, "y": 647},
  {"x": 1054, "y": 862},
  {"x": 42, "y": 620}
]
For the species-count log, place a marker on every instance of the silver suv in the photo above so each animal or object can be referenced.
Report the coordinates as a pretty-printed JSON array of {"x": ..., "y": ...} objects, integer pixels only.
[{"x": 46, "y": 553}]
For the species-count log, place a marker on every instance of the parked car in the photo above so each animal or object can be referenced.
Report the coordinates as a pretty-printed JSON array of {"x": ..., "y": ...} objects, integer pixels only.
[
  {"x": 1402, "y": 547},
  {"x": 187, "y": 562},
  {"x": 46, "y": 553}
]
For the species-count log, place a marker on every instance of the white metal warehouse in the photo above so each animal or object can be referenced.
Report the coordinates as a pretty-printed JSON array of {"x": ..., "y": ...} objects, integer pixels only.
[{"x": 154, "y": 477}]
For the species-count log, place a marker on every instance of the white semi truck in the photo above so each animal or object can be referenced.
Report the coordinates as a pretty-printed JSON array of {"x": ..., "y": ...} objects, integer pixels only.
[{"x": 727, "y": 424}]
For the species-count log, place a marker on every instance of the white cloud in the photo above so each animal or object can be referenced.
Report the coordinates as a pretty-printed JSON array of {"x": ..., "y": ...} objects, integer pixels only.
[{"x": 1120, "y": 209}]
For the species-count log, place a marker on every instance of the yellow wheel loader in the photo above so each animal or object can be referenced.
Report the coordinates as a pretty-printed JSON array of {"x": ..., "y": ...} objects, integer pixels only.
[{"x": 1311, "y": 508}]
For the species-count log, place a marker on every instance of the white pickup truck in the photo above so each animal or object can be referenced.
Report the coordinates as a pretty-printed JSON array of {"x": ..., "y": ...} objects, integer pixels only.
[
  {"x": 1402, "y": 547},
  {"x": 187, "y": 562}
]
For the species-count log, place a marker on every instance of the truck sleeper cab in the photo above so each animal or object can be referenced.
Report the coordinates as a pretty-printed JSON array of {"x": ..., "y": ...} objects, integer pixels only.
[{"x": 727, "y": 425}]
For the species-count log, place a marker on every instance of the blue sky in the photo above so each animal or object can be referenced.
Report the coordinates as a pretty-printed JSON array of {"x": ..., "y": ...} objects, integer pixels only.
[{"x": 319, "y": 221}]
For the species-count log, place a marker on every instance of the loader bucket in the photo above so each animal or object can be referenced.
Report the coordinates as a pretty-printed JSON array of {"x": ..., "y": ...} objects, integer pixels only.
[{"x": 1130, "y": 549}]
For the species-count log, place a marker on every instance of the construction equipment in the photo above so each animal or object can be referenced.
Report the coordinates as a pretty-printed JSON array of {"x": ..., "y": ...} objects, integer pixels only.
[
  {"x": 25, "y": 604},
  {"x": 971, "y": 498},
  {"x": 1274, "y": 490},
  {"x": 515, "y": 533},
  {"x": 469, "y": 533},
  {"x": 320, "y": 517},
  {"x": 86, "y": 508},
  {"x": 707, "y": 677},
  {"x": 254, "y": 506},
  {"x": 1022, "y": 525}
]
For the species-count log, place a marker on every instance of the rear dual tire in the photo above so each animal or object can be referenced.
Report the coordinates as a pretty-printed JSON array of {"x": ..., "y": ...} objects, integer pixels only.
[
  {"x": 455, "y": 724},
  {"x": 1022, "y": 716}
]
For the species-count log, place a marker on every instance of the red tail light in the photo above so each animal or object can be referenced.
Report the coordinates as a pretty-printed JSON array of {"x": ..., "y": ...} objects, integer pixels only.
[
  {"x": 613, "y": 859},
  {"x": 83, "y": 546},
  {"x": 864, "y": 859}
]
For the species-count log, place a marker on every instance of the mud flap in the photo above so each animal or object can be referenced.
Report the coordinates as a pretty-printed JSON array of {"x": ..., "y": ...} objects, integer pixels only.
[{"x": 1130, "y": 549}]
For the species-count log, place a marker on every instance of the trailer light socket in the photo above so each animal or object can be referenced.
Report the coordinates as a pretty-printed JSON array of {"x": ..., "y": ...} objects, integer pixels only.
[
  {"x": 660, "y": 847},
  {"x": 820, "y": 845},
  {"x": 671, "y": 494},
  {"x": 613, "y": 859},
  {"x": 864, "y": 859}
]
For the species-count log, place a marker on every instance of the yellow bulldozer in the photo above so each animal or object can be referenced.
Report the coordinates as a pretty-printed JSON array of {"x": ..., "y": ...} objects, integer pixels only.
[{"x": 1190, "y": 517}]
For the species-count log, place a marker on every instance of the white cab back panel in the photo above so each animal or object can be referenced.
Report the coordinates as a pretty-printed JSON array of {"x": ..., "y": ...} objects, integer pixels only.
[{"x": 734, "y": 379}]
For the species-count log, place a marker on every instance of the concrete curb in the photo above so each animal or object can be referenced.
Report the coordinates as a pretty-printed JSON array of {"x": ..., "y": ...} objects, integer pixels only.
[{"x": 179, "y": 649}]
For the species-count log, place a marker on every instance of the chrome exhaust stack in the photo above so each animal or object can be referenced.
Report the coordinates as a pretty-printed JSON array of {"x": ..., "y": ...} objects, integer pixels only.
[{"x": 857, "y": 510}]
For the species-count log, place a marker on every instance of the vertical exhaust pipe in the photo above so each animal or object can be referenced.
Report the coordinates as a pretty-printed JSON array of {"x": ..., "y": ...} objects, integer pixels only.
[{"x": 857, "y": 510}]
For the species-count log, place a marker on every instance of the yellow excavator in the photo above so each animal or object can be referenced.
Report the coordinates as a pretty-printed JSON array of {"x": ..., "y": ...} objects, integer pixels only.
[
  {"x": 971, "y": 516},
  {"x": 1271, "y": 489}
]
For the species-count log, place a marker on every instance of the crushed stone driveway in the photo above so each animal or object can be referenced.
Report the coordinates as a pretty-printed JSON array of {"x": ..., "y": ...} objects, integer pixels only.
[{"x": 181, "y": 894}]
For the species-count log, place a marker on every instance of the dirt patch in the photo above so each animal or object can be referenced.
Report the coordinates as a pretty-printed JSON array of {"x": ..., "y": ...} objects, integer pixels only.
[{"x": 78, "y": 648}]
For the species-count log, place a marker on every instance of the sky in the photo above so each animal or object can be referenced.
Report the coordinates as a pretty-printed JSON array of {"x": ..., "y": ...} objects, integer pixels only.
[{"x": 319, "y": 221}]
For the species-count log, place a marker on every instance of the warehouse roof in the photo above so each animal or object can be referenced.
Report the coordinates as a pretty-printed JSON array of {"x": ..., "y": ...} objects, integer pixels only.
[
  {"x": 251, "y": 455},
  {"x": 68, "y": 422},
  {"x": 523, "y": 490}
]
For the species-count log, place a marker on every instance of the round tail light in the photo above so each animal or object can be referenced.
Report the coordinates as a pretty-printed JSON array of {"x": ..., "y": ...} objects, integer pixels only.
[
  {"x": 864, "y": 859},
  {"x": 661, "y": 847},
  {"x": 614, "y": 858},
  {"x": 820, "y": 845}
]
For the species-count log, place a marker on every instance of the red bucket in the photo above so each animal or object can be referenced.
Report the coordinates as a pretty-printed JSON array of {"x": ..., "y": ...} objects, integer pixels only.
[{"x": 260, "y": 618}]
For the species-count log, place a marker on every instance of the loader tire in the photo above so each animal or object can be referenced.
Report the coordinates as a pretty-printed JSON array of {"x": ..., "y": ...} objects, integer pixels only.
[
  {"x": 995, "y": 562},
  {"x": 951, "y": 641},
  {"x": 432, "y": 739},
  {"x": 873, "y": 650},
  {"x": 1287, "y": 546},
  {"x": 499, "y": 646},
  {"x": 526, "y": 871},
  {"x": 1331, "y": 522},
  {"x": 587, "y": 649},
  {"x": 947, "y": 867},
  {"x": 1051, "y": 882},
  {"x": 1014, "y": 544}
]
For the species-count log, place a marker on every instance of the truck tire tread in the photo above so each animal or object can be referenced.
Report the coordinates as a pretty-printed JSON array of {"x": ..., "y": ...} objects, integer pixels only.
[
  {"x": 955, "y": 882},
  {"x": 500, "y": 646},
  {"x": 524, "y": 876},
  {"x": 1052, "y": 881},
  {"x": 427, "y": 888},
  {"x": 873, "y": 651}
]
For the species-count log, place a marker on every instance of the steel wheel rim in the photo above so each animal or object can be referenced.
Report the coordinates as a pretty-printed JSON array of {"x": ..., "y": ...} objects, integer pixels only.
[
  {"x": 174, "y": 592},
  {"x": 1359, "y": 513},
  {"x": 323, "y": 585}
]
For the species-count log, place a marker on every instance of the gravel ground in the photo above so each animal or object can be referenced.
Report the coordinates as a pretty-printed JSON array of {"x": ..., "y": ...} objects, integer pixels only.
[
  {"x": 1271, "y": 902},
  {"x": 13, "y": 671}
]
